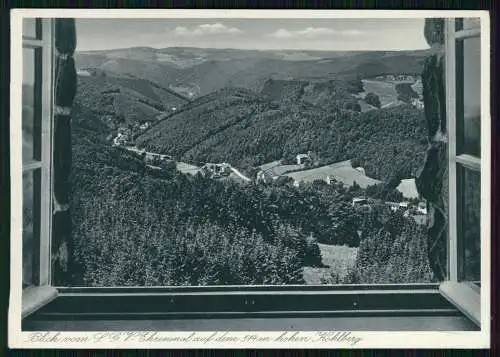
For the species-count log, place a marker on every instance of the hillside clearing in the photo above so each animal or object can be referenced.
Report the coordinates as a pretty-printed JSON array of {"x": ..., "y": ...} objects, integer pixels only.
[
  {"x": 269, "y": 165},
  {"x": 385, "y": 91},
  {"x": 408, "y": 188},
  {"x": 340, "y": 171},
  {"x": 187, "y": 168},
  {"x": 339, "y": 258}
]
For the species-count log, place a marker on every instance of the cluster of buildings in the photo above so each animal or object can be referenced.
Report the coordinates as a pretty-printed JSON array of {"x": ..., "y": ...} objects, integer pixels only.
[
  {"x": 122, "y": 138},
  {"x": 155, "y": 159},
  {"x": 418, "y": 88},
  {"x": 83, "y": 73},
  {"x": 90, "y": 72},
  {"x": 216, "y": 170},
  {"x": 417, "y": 103},
  {"x": 417, "y": 211},
  {"x": 144, "y": 126},
  {"x": 124, "y": 135},
  {"x": 397, "y": 77},
  {"x": 405, "y": 205},
  {"x": 302, "y": 159}
]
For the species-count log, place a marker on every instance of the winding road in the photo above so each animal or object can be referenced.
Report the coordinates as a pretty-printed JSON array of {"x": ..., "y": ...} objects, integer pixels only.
[{"x": 184, "y": 166}]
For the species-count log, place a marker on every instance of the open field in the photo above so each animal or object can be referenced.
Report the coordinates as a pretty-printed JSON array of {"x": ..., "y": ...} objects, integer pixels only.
[
  {"x": 269, "y": 165},
  {"x": 385, "y": 90},
  {"x": 365, "y": 106},
  {"x": 339, "y": 259},
  {"x": 340, "y": 171},
  {"x": 418, "y": 87},
  {"x": 275, "y": 168},
  {"x": 282, "y": 169},
  {"x": 187, "y": 168},
  {"x": 392, "y": 104},
  {"x": 408, "y": 188}
]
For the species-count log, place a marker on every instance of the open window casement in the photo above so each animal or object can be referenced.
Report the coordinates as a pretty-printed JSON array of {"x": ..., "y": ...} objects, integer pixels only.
[
  {"x": 37, "y": 112},
  {"x": 48, "y": 90},
  {"x": 465, "y": 117}
]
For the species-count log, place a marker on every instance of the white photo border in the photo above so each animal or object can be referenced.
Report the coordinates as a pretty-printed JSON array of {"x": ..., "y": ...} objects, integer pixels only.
[{"x": 369, "y": 339}]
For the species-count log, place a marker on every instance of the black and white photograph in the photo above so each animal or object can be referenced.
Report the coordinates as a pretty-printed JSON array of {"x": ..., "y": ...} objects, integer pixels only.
[{"x": 250, "y": 178}]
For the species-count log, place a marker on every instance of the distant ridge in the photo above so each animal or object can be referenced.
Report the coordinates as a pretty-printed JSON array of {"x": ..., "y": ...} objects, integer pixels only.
[{"x": 200, "y": 71}]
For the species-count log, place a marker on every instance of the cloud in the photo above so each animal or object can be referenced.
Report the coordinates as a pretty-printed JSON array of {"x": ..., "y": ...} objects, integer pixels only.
[
  {"x": 206, "y": 29},
  {"x": 352, "y": 32},
  {"x": 282, "y": 33},
  {"x": 313, "y": 32}
]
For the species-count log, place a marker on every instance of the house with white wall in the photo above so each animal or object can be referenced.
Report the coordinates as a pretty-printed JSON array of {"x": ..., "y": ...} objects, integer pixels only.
[
  {"x": 358, "y": 201},
  {"x": 417, "y": 103},
  {"x": 83, "y": 73},
  {"x": 360, "y": 169},
  {"x": 302, "y": 158}
]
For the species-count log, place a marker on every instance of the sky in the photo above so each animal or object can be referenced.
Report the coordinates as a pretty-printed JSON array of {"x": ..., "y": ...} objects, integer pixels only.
[{"x": 261, "y": 34}]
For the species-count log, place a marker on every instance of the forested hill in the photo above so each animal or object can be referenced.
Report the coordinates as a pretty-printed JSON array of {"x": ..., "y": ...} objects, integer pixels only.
[
  {"x": 247, "y": 129},
  {"x": 200, "y": 71},
  {"x": 116, "y": 101},
  {"x": 329, "y": 94}
]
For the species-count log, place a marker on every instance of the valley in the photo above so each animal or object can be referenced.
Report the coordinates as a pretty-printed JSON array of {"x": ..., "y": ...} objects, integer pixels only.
[{"x": 216, "y": 167}]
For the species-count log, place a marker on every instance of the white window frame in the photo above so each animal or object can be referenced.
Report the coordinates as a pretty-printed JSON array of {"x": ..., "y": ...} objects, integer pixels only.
[
  {"x": 42, "y": 292},
  {"x": 464, "y": 295}
]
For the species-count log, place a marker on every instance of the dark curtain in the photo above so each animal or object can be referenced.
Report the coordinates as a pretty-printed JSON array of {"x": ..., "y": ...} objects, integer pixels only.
[
  {"x": 64, "y": 92},
  {"x": 432, "y": 179}
]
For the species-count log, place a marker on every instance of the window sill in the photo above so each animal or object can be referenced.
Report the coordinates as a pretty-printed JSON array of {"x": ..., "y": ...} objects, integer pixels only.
[
  {"x": 35, "y": 297},
  {"x": 436, "y": 322},
  {"x": 465, "y": 297},
  {"x": 417, "y": 307}
]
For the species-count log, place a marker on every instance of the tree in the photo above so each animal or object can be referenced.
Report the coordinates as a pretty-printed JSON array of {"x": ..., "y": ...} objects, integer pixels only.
[
  {"x": 355, "y": 188},
  {"x": 284, "y": 180},
  {"x": 392, "y": 250},
  {"x": 313, "y": 254},
  {"x": 405, "y": 92},
  {"x": 289, "y": 159},
  {"x": 168, "y": 165},
  {"x": 352, "y": 105},
  {"x": 355, "y": 162},
  {"x": 372, "y": 99}
]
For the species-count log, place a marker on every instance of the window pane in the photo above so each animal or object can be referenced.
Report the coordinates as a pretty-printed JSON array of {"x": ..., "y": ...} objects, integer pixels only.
[
  {"x": 469, "y": 228},
  {"x": 471, "y": 23},
  {"x": 31, "y": 28},
  {"x": 469, "y": 96},
  {"x": 467, "y": 23},
  {"x": 31, "y": 214},
  {"x": 31, "y": 107}
]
